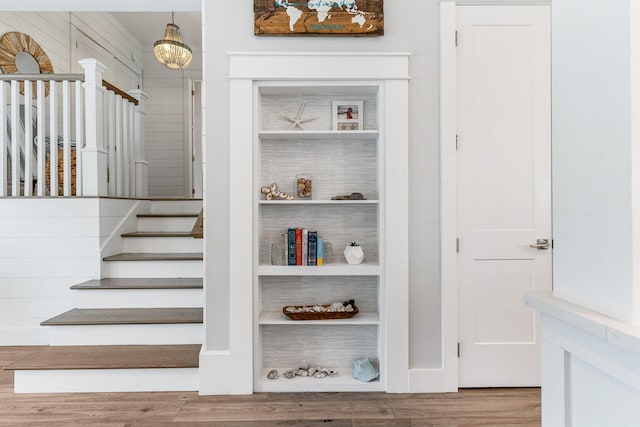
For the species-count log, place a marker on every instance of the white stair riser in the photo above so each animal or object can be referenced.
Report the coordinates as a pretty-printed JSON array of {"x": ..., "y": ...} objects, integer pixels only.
[
  {"x": 166, "y": 223},
  {"x": 161, "y": 244},
  {"x": 152, "y": 334},
  {"x": 172, "y": 207},
  {"x": 106, "y": 380},
  {"x": 141, "y": 269},
  {"x": 140, "y": 298}
]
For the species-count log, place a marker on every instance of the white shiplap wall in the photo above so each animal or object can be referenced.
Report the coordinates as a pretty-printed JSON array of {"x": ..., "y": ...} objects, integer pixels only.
[
  {"x": 166, "y": 130},
  {"x": 57, "y": 33},
  {"x": 50, "y": 30},
  {"x": 47, "y": 245}
]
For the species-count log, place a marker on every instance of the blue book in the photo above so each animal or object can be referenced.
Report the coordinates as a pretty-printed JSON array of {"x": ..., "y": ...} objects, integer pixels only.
[
  {"x": 291, "y": 246},
  {"x": 313, "y": 248},
  {"x": 319, "y": 258}
]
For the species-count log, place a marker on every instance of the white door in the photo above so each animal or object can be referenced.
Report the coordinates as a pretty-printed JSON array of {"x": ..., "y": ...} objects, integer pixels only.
[{"x": 504, "y": 190}]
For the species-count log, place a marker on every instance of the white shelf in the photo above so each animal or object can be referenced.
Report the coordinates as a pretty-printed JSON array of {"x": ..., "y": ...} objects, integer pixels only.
[
  {"x": 343, "y": 382},
  {"x": 277, "y": 318},
  {"x": 333, "y": 269},
  {"x": 342, "y": 135},
  {"x": 318, "y": 202}
]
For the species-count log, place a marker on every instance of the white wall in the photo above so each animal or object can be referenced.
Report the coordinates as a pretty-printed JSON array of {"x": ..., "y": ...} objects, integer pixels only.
[
  {"x": 166, "y": 128},
  {"x": 592, "y": 155},
  {"x": 411, "y": 26},
  {"x": 47, "y": 245}
]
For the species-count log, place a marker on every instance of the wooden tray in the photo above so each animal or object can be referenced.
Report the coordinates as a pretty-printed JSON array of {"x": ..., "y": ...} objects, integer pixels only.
[{"x": 319, "y": 315}]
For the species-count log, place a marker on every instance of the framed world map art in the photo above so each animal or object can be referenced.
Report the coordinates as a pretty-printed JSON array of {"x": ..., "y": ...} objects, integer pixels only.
[{"x": 318, "y": 17}]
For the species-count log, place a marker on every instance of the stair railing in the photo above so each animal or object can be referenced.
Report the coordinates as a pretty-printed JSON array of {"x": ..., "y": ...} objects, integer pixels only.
[{"x": 71, "y": 135}]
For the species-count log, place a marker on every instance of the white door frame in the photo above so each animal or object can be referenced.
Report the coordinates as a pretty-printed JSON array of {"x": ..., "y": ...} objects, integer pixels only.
[{"x": 447, "y": 376}]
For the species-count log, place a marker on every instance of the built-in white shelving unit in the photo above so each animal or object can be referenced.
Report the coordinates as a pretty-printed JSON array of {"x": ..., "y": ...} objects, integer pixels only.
[
  {"x": 372, "y": 160},
  {"x": 339, "y": 163}
]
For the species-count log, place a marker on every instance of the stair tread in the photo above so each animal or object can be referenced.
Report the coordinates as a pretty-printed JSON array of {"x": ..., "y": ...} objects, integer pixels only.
[
  {"x": 126, "y": 316},
  {"x": 157, "y": 234},
  {"x": 186, "y": 256},
  {"x": 174, "y": 199},
  {"x": 110, "y": 357},
  {"x": 141, "y": 283},
  {"x": 168, "y": 215}
]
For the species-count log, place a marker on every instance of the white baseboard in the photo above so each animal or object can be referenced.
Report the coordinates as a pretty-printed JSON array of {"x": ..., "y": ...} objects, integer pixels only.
[
  {"x": 220, "y": 375},
  {"x": 432, "y": 381}
]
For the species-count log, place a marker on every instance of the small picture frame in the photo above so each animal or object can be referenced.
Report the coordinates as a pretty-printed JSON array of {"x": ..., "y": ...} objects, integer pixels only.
[{"x": 347, "y": 115}]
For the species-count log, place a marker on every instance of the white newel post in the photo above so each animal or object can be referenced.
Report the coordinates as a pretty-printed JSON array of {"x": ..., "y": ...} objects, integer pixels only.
[
  {"x": 94, "y": 154},
  {"x": 141, "y": 165}
]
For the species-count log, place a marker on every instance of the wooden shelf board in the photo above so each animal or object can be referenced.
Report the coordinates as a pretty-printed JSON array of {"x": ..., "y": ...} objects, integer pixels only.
[
  {"x": 333, "y": 269},
  {"x": 277, "y": 318}
]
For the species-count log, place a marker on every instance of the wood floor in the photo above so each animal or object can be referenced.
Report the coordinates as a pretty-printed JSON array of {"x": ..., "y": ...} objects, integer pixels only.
[{"x": 481, "y": 407}]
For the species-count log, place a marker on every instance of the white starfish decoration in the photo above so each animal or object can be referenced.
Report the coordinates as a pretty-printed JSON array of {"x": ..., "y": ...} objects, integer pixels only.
[{"x": 298, "y": 120}]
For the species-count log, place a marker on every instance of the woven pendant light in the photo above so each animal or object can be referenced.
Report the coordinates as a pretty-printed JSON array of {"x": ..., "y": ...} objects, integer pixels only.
[{"x": 170, "y": 51}]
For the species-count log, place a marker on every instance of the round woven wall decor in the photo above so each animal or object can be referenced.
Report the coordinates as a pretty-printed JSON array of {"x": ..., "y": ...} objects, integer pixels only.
[{"x": 15, "y": 42}]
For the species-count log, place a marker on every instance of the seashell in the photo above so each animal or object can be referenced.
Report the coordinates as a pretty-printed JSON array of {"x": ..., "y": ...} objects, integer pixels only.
[
  {"x": 283, "y": 195},
  {"x": 332, "y": 372},
  {"x": 349, "y": 309},
  {"x": 290, "y": 309},
  {"x": 318, "y": 308},
  {"x": 320, "y": 374},
  {"x": 335, "y": 307},
  {"x": 312, "y": 371},
  {"x": 289, "y": 373},
  {"x": 265, "y": 190},
  {"x": 290, "y": 197},
  {"x": 273, "y": 374},
  {"x": 302, "y": 373},
  {"x": 304, "y": 366},
  {"x": 274, "y": 187},
  {"x": 275, "y": 193},
  {"x": 269, "y": 196}
]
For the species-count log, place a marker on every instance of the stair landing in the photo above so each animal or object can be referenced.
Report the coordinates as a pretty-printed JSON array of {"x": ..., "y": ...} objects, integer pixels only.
[
  {"x": 110, "y": 357},
  {"x": 130, "y": 368}
]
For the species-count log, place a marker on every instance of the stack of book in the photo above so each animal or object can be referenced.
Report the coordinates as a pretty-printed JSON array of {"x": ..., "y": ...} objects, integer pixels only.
[{"x": 304, "y": 247}]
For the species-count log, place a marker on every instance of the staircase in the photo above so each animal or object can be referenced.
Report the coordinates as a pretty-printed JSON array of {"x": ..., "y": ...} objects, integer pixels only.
[{"x": 138, "y": 329}]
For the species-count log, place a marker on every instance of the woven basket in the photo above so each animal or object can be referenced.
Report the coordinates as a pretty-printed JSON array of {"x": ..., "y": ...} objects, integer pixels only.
[
  {"x": 61, "y": 172},
  {"x": 319, "y": 315}
]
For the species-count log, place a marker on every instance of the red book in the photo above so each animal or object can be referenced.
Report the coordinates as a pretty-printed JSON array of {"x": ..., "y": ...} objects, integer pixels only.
[{"x": 298, "y": 246}]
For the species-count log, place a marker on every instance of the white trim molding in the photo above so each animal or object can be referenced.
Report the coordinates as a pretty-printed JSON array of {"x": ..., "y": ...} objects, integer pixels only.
[
  {"x": 587, "y": 358},
  {"x": 231, "y": 370},
  {"x": 445, "y": 377}
]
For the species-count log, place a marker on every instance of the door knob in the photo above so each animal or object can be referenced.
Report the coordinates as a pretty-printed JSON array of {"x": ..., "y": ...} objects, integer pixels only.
[{"x": 541, "y": 244}]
